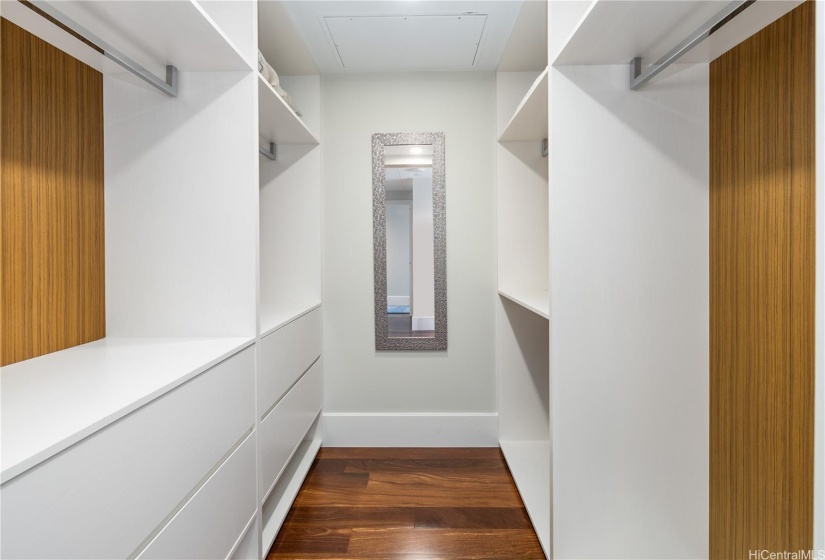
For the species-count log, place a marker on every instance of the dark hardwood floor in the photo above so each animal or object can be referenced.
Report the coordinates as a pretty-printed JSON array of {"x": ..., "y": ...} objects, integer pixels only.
[
  {"x": 399, "y": 325},
  {"x": 410, "y": 503}
]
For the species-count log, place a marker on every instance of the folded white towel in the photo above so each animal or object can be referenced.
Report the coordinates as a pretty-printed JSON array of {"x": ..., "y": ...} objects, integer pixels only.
[
  {"x": 271, "y": 76},
  {"x": 288, "y": 99},
  {"x": 267, "y": 71}
]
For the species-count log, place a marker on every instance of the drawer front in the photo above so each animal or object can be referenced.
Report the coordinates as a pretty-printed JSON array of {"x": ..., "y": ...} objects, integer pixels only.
[
  {"x": 285, "y": 355},
  {"x": 104, "y": 496},
  {"x": 282, "y": 431},
  {"x": 211, "y": 522},
  {"x": 248, "y": 547}
]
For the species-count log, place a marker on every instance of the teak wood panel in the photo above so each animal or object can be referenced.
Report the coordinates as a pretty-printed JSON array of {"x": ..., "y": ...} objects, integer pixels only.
[
  {"x": 762, "y": 222},
  {"x": 51, "y": 200}
]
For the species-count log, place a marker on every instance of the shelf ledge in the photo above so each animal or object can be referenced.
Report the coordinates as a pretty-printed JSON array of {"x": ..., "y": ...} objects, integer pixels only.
[
  {"x": 170, "y": 32},
  {"x": 612, "y": 32},
  {"x": 281, "y": 321},
  {"x": 529, "y": 122},
  {"x": 537, "y": 301},
  {"x": 277, "y": 122}
]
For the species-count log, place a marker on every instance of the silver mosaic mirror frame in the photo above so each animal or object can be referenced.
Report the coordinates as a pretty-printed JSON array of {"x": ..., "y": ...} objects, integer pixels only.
[{"x": 379, "y": 221}]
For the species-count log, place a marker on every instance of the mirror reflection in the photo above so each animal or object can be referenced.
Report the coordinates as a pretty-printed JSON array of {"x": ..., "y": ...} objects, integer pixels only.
[{"x": 409, "y": 241}]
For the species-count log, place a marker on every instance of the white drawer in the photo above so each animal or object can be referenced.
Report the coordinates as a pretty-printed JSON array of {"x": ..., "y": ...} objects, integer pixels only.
[
  {"x": 284, "y": 428},
  {"x": 284, "y": 355},
  {"x": 211, "y": 522},
  {"x": 248, "y": 547},
  {"x": 104, "y": 496}
]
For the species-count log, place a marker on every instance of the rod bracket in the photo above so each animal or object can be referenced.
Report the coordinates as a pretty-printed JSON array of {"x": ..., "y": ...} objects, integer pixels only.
[
  {"x": 268, "y": 154},
  {"x": 635, "y": 70},
  {"x": 172, "y": 80},
  {"x": 544, "y": 150}
]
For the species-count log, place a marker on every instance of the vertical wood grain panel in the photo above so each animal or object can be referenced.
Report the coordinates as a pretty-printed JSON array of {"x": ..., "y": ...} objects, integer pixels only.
[
  {"x": 51, "y": 199},
  {"x": 762, "y": 224}
]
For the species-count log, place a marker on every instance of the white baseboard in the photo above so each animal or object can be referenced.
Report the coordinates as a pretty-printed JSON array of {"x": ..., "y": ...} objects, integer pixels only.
[
  {"x": 398, "y": 300},
  {"x": 423, "y": 323},
  {"x": 410, "y": 430}
]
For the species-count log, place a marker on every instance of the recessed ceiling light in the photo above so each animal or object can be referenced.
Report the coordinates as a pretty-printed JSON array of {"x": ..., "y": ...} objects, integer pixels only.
[{"x": 416, "y": 150}]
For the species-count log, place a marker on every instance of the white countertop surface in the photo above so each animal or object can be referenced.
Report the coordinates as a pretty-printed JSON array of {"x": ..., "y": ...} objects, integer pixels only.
[{"x": 51, "y": 402}]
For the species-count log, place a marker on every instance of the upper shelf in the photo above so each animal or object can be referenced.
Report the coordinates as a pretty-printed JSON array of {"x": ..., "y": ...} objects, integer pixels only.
[
  {"x": 530, "y": 119},
  {"x": 154, "y": 34},
  {"x": 53, "y": 401},
  {"x": 277, "y": 122},
  {"x": 613, "y": 32},
  {"x": 535, "y": 300}
]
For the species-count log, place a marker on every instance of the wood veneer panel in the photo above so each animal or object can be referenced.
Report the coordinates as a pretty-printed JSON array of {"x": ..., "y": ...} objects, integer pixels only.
[
  {"x": 762, "y": 224},
  {"x": 51, "y": 199}
]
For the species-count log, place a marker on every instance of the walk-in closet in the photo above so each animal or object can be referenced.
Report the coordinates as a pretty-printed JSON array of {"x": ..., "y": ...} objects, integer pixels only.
[{"x": 393, "y": 279}]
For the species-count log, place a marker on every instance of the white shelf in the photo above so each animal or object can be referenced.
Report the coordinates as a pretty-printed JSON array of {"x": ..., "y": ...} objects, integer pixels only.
[
  {"x": 529, "y": 463},
  {"x": 275, "y": 322},
  {"x": 154, "y": 34},
  {"x": 537, "y": 301},
  {"x": 293, "y": 477},
  {"x": 277, "y": 122},
  {"x": 529, "y": 122},
  {"x": 613, "y": 32},
  {"x": 53, "y": 401}
]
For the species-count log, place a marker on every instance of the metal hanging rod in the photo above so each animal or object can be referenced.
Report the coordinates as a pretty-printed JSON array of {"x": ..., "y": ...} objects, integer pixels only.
[
  {"x": 638, "y": 78},
  {"x": 544, "y": 148},
  {"x": 46, "y": 10},
  {"x": 268, "y": 154}
]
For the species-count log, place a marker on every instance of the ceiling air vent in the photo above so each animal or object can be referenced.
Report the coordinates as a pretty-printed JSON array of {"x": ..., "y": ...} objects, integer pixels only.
[{"x": 420, "y": 42}]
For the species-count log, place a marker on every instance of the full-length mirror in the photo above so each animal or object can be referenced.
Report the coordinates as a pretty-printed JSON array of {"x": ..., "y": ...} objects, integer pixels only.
[{"x": 409, "y": 225}]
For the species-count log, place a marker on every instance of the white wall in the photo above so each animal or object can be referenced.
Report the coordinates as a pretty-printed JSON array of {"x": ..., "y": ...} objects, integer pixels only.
[
  {"x": 423, "y": 255},
  {"x": 398, "y": 252},
  {"x": 180, "y": 190},
  {"x": 629, "y": 314},
  {"x": 357, "y": 378}
]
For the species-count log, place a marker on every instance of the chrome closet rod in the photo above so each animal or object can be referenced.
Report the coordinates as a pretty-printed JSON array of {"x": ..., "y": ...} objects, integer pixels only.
[
  {"x": 638, "y": 78},
  {"x": 46, "y": 10}
]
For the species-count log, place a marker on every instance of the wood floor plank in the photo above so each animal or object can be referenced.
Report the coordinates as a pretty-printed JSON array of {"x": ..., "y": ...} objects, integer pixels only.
[
  {"x": 352, "y": 517},
  {"x": 471, "y": 518},
  {"x": 407, "y": 504},
  {"x": 464, "y": 465},
  {"x": 330, "y": 480},
  {"x": 313, "y": 540},
  {"x": 511, "y": 544},
  {"x": 414, "y": 490}
]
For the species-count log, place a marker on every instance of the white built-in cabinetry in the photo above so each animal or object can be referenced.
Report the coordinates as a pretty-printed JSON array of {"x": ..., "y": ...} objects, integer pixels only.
[
  {"x": 187, "y": 431},
  {"x": 602, "y": 323},
  {"x": 290, "y": 367},
  {"x": 523, "y": 305}
]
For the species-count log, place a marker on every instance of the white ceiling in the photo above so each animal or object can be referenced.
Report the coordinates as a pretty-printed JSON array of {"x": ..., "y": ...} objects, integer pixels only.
[
  {"x": 406, "y": 42},
  {"x": 401, "y": 178},
  {"x": 373, "y": 36},
  {"x": 408, "y": 156}
]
